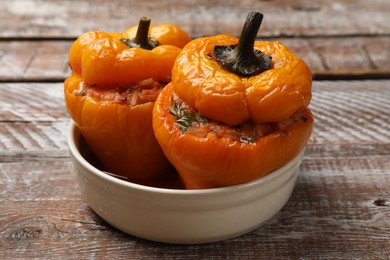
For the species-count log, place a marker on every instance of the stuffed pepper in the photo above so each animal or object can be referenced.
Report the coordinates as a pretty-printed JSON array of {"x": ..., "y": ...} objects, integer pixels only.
[
  {"x": 236, "y": 109},
  {"x": 110, "y": 94}
]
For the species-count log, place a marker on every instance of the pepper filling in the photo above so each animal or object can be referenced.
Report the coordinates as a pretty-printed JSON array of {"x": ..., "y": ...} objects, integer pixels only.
[
  {"x": 136, "y": 94},
  {"x": 190, "y": 122}
]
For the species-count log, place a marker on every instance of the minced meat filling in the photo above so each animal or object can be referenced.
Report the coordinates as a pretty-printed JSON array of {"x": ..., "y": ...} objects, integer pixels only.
[
  {"x": 139, "y": 93},
  {"x": 247, "y": 132}
]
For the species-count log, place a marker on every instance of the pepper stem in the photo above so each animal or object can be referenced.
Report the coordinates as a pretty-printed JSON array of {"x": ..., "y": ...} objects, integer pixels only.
[
  {"x": 242, "y": 58},
  {"x": 142, "y": 32},
  {"x": 142, "y": 38}
]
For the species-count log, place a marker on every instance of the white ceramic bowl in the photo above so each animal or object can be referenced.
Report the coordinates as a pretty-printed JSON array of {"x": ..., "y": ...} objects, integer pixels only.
[{"x": 182, "y": 216}]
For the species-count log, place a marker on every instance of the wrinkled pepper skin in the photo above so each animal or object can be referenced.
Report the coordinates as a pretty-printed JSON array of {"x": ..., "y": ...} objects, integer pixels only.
[
  {"x": 271, "y": 96},
  {"x": 120, "y": 133},
  {"x": 209, "y": 162},
  {"x": 101, "y": 58},
  {"x": 275, "y": 99}
]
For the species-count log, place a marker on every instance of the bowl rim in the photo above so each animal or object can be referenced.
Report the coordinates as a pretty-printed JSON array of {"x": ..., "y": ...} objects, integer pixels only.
[{"x": 74, "y": 136}]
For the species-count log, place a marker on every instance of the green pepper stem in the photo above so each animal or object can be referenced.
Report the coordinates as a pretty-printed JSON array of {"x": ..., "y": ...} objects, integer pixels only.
[{"x": 242, "y": 58}]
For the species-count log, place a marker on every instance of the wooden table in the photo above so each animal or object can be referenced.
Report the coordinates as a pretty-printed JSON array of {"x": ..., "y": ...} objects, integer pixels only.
[{"x": 340, "y": 208}]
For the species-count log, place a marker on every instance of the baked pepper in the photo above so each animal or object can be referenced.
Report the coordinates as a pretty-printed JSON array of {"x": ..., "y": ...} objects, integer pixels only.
[
  {"x": 236, "y": 109},
  {"x": 119, "y": 59},
  {"x": 111, "y": 92}
]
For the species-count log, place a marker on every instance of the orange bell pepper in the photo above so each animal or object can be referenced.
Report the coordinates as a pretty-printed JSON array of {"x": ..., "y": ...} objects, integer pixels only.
[
  {"x": 105, "y": 58},
  {"x": 223, "y": 120},
  {"x": 111, "y": 92},
  {"x": 271, "y": 96}
]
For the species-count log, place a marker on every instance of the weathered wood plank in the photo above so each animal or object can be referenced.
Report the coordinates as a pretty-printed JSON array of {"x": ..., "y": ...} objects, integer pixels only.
[
  {"x": 33, "y": 141},
  {"x": 339, "y": 210},
  {"x": 28, "y": 102},
  {"x": 352, "y": 118},
  {"x": 346, "y": 57},
  {"x": 327, "y": 57},
  {"x": 34, "y": 60},
  {"x": 65, "y": 18},
  {"x": 351, "y": 111},
  {"x": 39, "y": 141},
  {"x": 341, "y": 205}
]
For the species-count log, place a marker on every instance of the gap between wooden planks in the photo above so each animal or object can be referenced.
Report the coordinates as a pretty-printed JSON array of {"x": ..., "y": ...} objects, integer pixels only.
[
  {"x": 299, "y": 18},
  {"x": 328, "y": 58}
]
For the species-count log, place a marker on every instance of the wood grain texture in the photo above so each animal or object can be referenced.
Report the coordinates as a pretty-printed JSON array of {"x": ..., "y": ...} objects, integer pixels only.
[
  {"x": 327, "y": 58},
  {"x": 34, "y": 60},
  {"x": 351, "y": 112},
  {"x": 350, "y": 116},
  {"x": 65, "y": 18},
  {"x": 339, "y": 208},
  {"x": 333, "y": 214},
  {"x": 33, "y": 121},
  {"x": 29, "y": 102}
]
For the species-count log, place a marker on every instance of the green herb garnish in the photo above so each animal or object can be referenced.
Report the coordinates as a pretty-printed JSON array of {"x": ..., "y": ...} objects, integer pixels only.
[
  {"x": 185, "y": 118},
  {"x": 246, "y": 139}
]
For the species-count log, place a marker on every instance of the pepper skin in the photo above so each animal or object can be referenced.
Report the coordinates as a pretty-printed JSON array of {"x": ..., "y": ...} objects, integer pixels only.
[
  {"x": 102, "y": 58},
  {"x": 271, "y": 96},
  {"x": 236, "y": 109},
  {"x": 111, "y": 93},
  {"x": 208, "y": 159}
]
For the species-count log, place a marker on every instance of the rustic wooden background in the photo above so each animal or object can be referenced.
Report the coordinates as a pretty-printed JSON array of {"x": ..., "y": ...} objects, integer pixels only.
[{"x": 340, "y": 208}]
